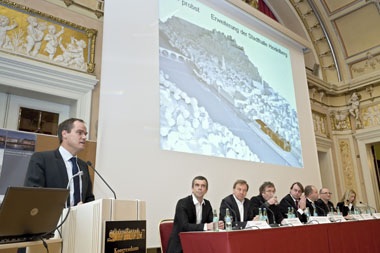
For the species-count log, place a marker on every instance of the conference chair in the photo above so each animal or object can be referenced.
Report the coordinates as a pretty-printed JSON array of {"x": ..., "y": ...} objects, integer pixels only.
[{"x": 165, "y": 227}]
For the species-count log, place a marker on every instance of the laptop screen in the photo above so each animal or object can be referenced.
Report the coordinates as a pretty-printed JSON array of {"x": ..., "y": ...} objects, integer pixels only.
[{"x": 31, "y": 211}]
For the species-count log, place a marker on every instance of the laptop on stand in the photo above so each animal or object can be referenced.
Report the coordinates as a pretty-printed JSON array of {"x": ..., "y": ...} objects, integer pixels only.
[{"x": 27, "y": 213}]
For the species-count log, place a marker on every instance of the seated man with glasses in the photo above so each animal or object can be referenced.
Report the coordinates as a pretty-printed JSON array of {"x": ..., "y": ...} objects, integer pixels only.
[{"x": 324, "y": 203}]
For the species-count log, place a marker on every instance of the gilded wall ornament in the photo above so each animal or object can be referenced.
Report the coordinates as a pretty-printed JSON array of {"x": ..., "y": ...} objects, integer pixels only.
[
  {"x": 340, "y": 120},
  {"x": 347, "y": 164},
  {"x": 253, "y": 3},
  {"x": 29, "y": 33},
  {"x": 371, "y": 116}
]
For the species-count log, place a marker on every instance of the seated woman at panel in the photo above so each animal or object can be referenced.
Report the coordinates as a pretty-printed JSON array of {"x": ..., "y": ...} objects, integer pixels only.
[{"x": 347, "y": 203}]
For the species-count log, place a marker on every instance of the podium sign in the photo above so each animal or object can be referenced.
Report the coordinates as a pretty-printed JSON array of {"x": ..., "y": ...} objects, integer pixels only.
[
  {"x": 83, "y": 231},
  {"x": 125, "y": 236}
]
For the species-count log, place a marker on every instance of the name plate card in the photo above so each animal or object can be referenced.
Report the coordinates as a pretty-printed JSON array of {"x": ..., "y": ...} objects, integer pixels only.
[
  {"x": 292, "y": 221},
  {"x": 318, "y": 220},
  {"x": 357, "y": 217},
  {"x": 337, "y": 218},
  {"x": 367, "y": 216},
  {"x": 260, "y": 224}
]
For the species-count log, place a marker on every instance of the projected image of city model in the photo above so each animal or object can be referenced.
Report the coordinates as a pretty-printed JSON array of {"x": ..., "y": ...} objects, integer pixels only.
[{"x": 225, "y": 90}]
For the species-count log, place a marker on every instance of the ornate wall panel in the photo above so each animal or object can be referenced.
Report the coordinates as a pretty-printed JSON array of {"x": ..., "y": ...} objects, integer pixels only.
[
  {"x": 370, "y": 63},
  {"x": 371, "y": 116},
  {"x": 347, "y": 164},
  {"x": 320, "y": 124},
  {"x": 340, "y": 120},
  {"x": 29, "y": 33}
]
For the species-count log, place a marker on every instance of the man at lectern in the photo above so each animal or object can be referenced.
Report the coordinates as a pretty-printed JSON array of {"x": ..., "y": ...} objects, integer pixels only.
[
  {"x": 61, "y": 168},
  {"x": 192, "y": 213}
]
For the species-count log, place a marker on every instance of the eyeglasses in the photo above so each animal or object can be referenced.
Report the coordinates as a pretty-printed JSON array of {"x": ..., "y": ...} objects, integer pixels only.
[{"x": 330, "y": 193}]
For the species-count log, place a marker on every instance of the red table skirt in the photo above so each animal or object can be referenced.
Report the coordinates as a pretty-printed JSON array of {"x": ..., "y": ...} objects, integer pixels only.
[{"x": 357, "y": 236}]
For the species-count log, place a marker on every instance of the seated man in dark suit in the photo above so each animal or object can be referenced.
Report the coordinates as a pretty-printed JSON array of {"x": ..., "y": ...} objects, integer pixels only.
[
  {"x": 57, "y": 168},
  {"x": 267, "y": 199},
  {"x": 192, "y": 213},
  {"x": 238, "y": 205},
  {"x": 296, "y": 200},
  {"x": 324, "y": 203},
  {"x": 311, "y": 194}
]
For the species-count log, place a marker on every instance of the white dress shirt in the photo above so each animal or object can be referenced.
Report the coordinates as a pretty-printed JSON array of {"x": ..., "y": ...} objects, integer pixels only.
[
  {"x": 198, "y": 211},
  {"x": 240, "y": 205},
  {"x": 66, "y": 155}
]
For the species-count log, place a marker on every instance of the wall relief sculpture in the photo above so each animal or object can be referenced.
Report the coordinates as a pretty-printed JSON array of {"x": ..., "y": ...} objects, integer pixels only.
[
  {"x": 371, "y": 116},
  {"x": 320, "y": 124},
  {"x": 340, "y": 120},
  {"x": 30, "y": 33},
  {"x": 354, "y": 103}
]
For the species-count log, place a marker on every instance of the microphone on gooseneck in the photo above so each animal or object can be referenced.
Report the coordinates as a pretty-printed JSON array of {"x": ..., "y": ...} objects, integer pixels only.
[
  {"x": 324, "y": 213},
  {"x": 274, "y": 218},
  {"x": 233, "y": 212},
  {"x": 97, "y": 173},
  {"x": 368, "y": 206},
  {"x": 290, "y": 204}
]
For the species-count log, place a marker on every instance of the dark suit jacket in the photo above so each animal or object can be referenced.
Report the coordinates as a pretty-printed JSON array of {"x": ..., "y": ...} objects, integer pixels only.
[
  {"x": 47, "y": 169},
  {"x": 259, "y": 202},
  {"x": 311, "y": 208},
  {"x": 288, "y": 201},
  {"x": 344, "y": 209},
  {"x": 185, "y": 220},
  {"x": 230, "y": 203},
  {"x": 326, "y": 208}
]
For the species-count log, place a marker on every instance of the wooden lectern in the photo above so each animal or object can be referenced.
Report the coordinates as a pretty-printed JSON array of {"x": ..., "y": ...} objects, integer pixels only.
[{"x": 83, "y": 231}]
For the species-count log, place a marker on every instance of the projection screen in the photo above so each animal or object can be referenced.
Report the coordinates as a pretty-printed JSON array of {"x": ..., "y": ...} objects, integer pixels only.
[
  {"x": 225, "y": 97},
  {"x": 220, "y": 88}
]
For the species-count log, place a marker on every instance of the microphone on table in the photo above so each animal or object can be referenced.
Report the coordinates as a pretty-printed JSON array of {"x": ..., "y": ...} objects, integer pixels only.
[
  {"x": 368, "y": 206},
  {"x": 274, "y": 218},
  {"x": 97, "y": 173},
  {"x": 324, "y": 213},
  {"x": 233, "y": 212},
  {"x": 290, "y": 204}
]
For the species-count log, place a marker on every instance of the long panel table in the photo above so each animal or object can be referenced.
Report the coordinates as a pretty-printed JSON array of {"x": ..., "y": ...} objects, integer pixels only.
[{"x": 356, "y": 236}]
